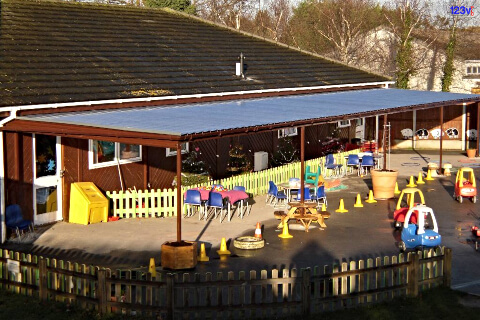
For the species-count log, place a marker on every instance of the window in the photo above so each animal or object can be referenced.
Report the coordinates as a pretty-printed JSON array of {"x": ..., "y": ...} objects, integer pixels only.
[
  {"x": 173, "y": 152},
  {"x": 288, "y": 132},
  {"x": 343, "y": 123},
  {"x": 469, "y": 70},
  {"x": 474, "y": 70},
  {"x": 106, "y": 153}
]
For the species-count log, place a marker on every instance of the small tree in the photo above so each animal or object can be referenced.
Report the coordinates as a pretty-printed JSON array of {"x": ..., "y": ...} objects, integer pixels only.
[
  {"x": 238, "y": 161},
  {"x": 286, "y": 152}
]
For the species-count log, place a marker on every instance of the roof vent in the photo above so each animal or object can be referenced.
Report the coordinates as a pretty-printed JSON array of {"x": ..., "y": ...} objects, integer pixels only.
[{"x": 241, "y": 66}]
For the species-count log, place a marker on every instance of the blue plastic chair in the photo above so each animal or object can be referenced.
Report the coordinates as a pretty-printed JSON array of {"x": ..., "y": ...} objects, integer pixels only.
[
  {"x": 278, "y": 196},
  {"x": 367, "y": 162},
  {"x": 242, "y": 202},
  {"x": 320, "y": 197},
  {"x": 353, "y": 162},
  {"x": 215, "y": 201},
  {"x": 306, "y": 195},
  {"x": 331, "y": 165},
  {"x": 14, "y": 220},
  {"x": 271, "y": 186},
  {"x": 193, "y": 201}
]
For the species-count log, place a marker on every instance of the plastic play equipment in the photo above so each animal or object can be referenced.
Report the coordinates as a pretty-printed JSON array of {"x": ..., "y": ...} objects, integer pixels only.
[
  {"x": 465, "y": 185},
  {"x": 419, "y": 235},
  {"x": 400, "y": 212},
  {"x": 313, "y": 177}
]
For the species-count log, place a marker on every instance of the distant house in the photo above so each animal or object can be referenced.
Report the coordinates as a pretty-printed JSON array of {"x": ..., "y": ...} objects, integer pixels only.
[{"x": 111, "y": 94}]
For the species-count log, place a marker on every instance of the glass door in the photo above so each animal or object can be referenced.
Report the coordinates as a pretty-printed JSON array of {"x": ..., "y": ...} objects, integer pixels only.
[{"x": 47, "y": 188}]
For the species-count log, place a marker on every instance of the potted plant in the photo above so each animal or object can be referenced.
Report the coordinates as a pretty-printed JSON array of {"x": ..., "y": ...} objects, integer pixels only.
[
  {"x": 384, "y": 180},
  {"x": 471, "y": 153}
]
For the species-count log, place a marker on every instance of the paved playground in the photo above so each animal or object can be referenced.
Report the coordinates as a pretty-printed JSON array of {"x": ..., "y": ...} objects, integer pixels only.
[{"x": 359, "y": 234}]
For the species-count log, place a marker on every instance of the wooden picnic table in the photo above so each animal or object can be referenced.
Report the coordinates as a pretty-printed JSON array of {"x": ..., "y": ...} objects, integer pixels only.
[{"x": 305, "y": 213}]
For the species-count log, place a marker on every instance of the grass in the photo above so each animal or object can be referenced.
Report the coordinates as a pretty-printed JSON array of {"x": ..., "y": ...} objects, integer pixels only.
[{"x": 440, "y": 303}]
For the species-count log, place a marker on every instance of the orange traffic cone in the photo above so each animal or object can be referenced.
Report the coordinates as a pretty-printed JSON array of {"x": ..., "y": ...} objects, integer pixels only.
[
  {"x": 258, "y": 231},
  {"x": 411, "y": 184},
  {"x": 420, "y": 178},
  {"x": 223, "y": 248},
  {"x": 203, "y": 254},
  {"x": 358, "y": 203},
  {"x": 370, "y": 199},
  {"x": 341, "y": 207},
  {"x": 285, "y": 234}
]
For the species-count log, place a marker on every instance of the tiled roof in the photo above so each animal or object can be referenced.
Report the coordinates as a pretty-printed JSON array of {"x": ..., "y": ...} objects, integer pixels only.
[{"x": 64, "y": 52}]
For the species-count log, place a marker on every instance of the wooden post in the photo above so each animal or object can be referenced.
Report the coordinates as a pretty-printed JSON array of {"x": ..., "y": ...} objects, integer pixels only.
[
  {"x": 447, "y": 268},
  {"x": 412, "y": 276},
  {"x": 383, "y": 142},
  {"x": 179, "y": 192},
  {"x": 102, "y": 292},
  {"x": 478, "y": 128},
  {"x": 302, "y": 164},
  {"x": 441, "y": 138},
  {"x": 170, "y": 293},
  {"x": 306, "y": 292},
  {"x": 42, "y": 281}
]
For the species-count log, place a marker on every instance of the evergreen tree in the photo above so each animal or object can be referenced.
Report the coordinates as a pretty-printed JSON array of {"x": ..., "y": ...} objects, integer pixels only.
[{"x": 238, "y": 161}]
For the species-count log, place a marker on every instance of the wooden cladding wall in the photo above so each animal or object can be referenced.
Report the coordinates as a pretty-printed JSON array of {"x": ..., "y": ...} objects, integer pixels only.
[
  {"x": 19, "y": 171},
  {"x": 427, "y": 119}
]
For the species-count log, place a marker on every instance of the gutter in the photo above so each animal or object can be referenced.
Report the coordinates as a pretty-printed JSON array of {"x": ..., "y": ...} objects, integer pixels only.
[
  {"x": 179, "y": 97},
  {"x": 13, "y": 115}
]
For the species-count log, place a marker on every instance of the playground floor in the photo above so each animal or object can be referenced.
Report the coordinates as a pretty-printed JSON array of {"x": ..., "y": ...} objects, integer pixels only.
[{"x": 359, "y": 234}]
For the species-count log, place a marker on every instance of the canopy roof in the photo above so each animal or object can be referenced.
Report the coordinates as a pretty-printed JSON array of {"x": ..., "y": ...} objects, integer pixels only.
[{"x": 201, "y": 120}]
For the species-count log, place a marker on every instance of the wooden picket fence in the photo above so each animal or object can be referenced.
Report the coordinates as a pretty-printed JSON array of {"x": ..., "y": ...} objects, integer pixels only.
[
  {"x": 226, "y": 296},
  {"x": 162, "y": 202}
]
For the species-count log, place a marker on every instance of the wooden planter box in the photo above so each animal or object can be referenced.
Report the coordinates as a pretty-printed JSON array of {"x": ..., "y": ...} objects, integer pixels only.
[{"x": 179, "y": 255}]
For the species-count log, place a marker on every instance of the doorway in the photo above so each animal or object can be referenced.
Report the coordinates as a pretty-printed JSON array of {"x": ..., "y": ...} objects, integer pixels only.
[{"x": 47, "y": 186}]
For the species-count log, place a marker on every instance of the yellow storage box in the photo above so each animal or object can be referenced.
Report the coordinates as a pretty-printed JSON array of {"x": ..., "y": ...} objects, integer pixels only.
[{"x": 87, "y": 204}]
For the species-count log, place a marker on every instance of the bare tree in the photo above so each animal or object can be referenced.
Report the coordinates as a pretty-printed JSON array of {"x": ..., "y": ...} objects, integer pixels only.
[
  {"x": 271, "y": 20},
  {"x": 405, "y": 18},
  {"x": 337, "y": 28},
  {"x": 228, "y": 12}
]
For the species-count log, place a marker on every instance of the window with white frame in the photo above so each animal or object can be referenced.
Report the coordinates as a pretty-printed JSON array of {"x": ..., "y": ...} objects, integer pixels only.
[
  {"x": 106, "y": 153},
  {"x": 173, "y": 152},
  {"x": 473, "y": 70},
  {"x": 288, "y": 132},
  {"x": 343, "y": 123}
]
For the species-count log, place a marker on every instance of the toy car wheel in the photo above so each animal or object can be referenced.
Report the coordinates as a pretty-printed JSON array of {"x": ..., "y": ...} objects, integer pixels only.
[
  {"x": 247, "y": 243},
  {"x": 460, "y": 199},
  {"x": 402, "y": 246},
  {"x": 474, "y": 199}
]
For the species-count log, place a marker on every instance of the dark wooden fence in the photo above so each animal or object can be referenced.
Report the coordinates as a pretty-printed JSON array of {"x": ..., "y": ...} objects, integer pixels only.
[{"x": 227, "y": 295}]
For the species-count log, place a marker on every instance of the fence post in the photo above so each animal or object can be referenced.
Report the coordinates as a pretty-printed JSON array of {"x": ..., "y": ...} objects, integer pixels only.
[
  {"x": 412, "y": 277},
  {"x": 306, "y": 292},
  {"x": 170, "y": 293},
  {"x": 447, "y": 267},
  {"x": 42, "y": 279},
  {"x": 102, "y": 292}
]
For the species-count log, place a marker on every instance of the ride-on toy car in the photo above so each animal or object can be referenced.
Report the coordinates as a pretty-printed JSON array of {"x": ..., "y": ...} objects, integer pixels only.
[
  {"x": 465, "y": 185},
  {"x": 418, "y": 235},
  {"x": 400, "y": 212}
]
